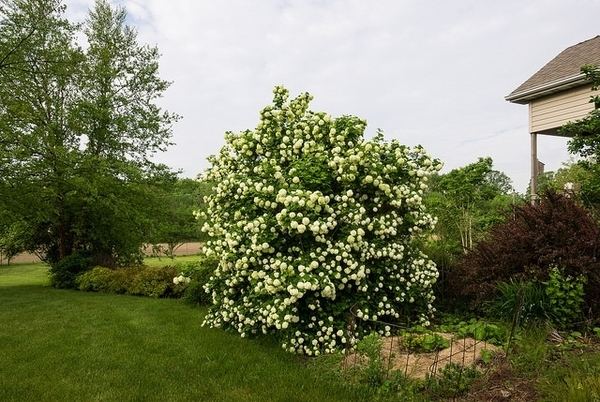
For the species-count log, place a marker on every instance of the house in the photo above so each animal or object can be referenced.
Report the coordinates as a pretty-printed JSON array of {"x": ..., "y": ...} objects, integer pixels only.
[{"x": 557, "y": 94}]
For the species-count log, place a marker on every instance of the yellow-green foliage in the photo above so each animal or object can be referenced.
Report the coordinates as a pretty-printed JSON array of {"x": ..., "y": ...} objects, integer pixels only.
[{"x": 141, "y": 281}]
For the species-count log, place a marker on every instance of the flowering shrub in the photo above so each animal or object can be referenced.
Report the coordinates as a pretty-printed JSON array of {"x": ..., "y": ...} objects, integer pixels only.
[{"x": 309, "y": 221}]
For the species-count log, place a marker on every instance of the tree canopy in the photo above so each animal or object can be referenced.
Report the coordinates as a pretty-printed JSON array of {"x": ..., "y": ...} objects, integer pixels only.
[
  {"x": 585, "y": 133},
  {"x": 78, "y": 129},
  {"x": 179, "y": 220},
  {"x": 585, "y": 143},
  {"x": 467, "y": 201}
]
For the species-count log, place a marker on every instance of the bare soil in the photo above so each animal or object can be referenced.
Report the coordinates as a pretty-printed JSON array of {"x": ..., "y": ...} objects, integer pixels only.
[{"x": 501, "y": 383}]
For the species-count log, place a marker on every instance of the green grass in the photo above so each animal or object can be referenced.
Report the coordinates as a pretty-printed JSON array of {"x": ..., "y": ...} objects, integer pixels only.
[
  {"x": 574, "y": 378},
  {"x": 70, "y": 345},
  {"x": 23, "y": 275}
]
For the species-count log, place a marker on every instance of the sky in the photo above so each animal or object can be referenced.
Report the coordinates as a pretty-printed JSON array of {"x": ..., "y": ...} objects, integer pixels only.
[{"x": 433, "y": 73}]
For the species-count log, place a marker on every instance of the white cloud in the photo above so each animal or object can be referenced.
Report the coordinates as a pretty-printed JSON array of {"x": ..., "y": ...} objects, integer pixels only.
[{"x": 434, "y": 73}]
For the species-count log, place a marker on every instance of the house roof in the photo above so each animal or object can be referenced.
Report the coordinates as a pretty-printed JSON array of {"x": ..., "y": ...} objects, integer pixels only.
[{"x": 562, "y": 72}]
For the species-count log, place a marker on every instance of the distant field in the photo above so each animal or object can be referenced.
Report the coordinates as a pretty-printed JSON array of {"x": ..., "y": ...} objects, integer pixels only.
[
  {"x": 64, "y": 345},
  {"x": 156, "y": 261},
  {"x": 184, "y": 249}
]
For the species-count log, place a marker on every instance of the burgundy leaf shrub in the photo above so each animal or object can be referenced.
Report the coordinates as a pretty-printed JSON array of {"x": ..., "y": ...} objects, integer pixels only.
[{"x": 556, "y": 231}]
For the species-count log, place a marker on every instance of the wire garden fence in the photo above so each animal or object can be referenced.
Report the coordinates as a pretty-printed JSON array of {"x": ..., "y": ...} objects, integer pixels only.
[
  {"x": 430, "y": 357},
  {"x": 421, "y": 355},
  {"x": 443, "y": 354}
]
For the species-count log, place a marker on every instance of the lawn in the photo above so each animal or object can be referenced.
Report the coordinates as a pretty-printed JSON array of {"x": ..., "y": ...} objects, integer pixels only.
[{"x": 70, "y": 345}]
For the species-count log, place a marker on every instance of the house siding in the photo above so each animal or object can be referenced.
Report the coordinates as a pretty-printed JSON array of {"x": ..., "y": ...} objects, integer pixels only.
[{"x": 555, "y": 110}]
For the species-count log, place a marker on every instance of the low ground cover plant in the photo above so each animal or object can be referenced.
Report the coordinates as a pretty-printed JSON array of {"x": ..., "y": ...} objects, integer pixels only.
[
  {"x": 452, "y": 381},
  {"x": 477, "y": 328},
  {"x": 310, "y": 221},
  {"x": 418, "y": 342}
]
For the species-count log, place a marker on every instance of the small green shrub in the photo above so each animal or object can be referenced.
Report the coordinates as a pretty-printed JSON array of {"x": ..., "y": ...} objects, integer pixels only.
[
  {"x": 195, "y": 292},
  {"x": 487, "y": 356},
  {"x": 374, "y": 373},
  {"x": 452, "y": 381},
  {"x": 63, "y": 274},
  {"x": 140, "y": 281},
  {"x": 101, "y": 279},
  {"x": 199, "y": 272},
  {"x": 566, "y": 296},
  {"x": 400, "y": 387},
  {"x": 154, "y": 282}
]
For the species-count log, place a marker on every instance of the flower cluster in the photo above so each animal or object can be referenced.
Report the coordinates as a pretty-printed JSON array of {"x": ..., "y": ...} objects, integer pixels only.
[
  {"x": 181, "y": 279},
  {"x": 312, "y": 224}
]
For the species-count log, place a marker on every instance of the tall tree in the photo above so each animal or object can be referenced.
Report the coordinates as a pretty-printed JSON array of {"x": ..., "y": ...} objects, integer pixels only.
[
  {"x": 123, "y": 127},
  {"x": 38, "y": 93},
  {"x": 120, "y": 86},
  {"x": 78, "y": 129},
  {"x": 23, "y": 30}
]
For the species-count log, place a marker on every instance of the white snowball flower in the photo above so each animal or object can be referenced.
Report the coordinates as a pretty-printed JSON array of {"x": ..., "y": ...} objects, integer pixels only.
[{"x": 288, "y": 249}]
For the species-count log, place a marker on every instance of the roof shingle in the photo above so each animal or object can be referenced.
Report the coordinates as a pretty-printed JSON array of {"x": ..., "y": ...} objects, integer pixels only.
[{"x": 567, "y": 64}]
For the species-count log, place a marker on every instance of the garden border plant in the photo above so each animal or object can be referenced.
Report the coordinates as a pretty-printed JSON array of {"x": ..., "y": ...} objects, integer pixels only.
[{"x": 166, "y": 281}]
